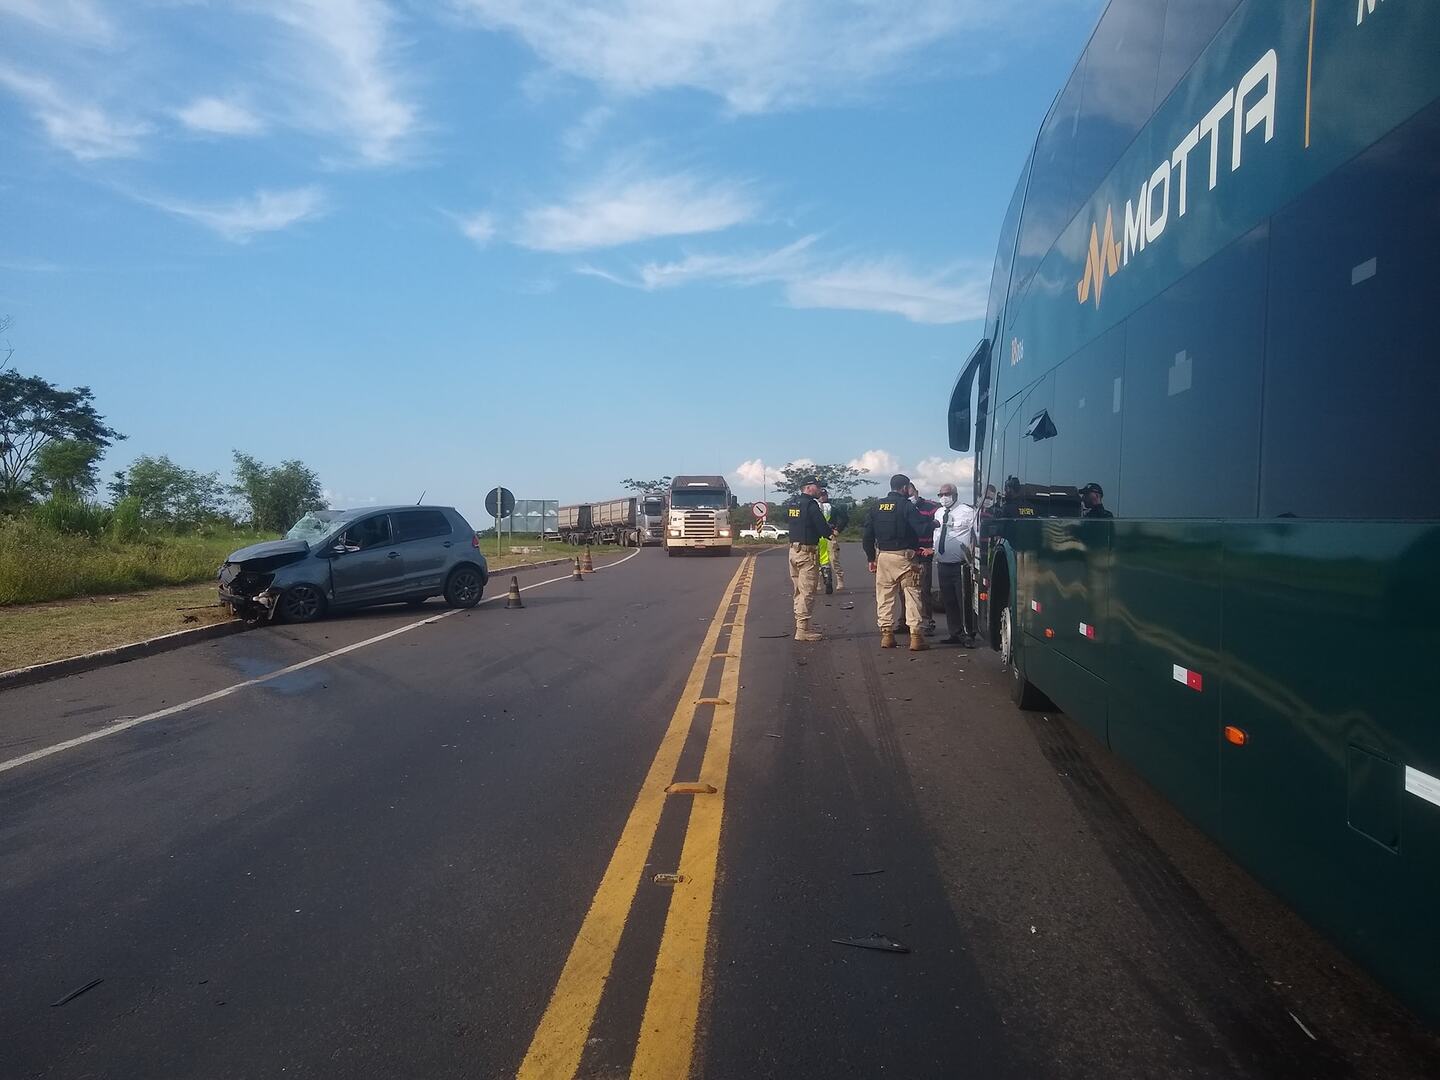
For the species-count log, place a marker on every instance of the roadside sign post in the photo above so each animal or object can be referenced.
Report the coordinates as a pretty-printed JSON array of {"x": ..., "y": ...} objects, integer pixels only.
[{"x": 500, "y": 504}]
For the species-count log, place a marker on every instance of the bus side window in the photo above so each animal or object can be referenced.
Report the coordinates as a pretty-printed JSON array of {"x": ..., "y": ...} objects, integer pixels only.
[
  {"x": 1351, "y": 377},
  {"x": 1191, "y": 402}
]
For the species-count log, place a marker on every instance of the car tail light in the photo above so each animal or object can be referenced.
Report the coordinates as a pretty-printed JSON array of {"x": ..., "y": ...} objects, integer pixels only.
[{"x": 475, "y": 541}]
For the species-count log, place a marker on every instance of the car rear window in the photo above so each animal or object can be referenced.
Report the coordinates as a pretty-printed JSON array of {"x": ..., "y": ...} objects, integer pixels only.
[{"x": 418, "y": 524}]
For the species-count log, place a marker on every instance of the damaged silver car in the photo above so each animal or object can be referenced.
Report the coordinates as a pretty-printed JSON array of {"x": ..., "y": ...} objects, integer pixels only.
[{"x": 355, "y": 558}]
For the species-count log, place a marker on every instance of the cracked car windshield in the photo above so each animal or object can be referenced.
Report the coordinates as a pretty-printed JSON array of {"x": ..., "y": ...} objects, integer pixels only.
[{"x": 313, "y": 528}]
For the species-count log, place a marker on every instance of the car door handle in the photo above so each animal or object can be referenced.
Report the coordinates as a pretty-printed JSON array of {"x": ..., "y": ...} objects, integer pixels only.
[
  {"x": 446, "y": 544},
  {"x": 393, "y": 555}
]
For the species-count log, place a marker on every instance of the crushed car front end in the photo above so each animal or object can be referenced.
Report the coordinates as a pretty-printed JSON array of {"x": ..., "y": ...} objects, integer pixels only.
[{"x": 252, "y": 579}]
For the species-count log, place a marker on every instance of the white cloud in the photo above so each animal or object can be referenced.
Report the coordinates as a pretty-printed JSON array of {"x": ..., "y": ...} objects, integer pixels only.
[
  {"x": 887, "y": 285},
  {"x": 478, "y": 227},
  {"x": 241, "y": 219},
  {"x": 82, "y": 20},
  {"x": 755, "y": 473},
  {"x": 735, "y": 269},
  {"x": 934, "y": 471},
  {"x": 622, "y": 208},
  {"x": 880, "y": 464},
  {"x": 219, "y": 116},
  {"x": 83, "y": 129},
  {"x": 344, "y": 57},
  {"x": 754, "y": 54},
  {"x": 811, "y": 281},
  {"x": 581, "y": 135}
]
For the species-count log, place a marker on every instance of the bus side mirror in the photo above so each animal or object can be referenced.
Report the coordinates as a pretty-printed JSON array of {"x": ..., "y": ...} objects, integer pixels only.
[
  {"x": 734, "y": 501},
  {"x": 961, "y": 423}
]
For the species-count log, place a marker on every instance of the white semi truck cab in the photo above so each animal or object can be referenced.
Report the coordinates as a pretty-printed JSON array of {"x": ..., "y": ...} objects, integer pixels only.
[{"x": 698, "y": 514}]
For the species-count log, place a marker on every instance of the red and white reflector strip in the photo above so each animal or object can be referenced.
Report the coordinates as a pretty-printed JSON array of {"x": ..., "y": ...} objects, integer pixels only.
[
  {"x": 1186, "y": 677},
  {"x": 1035, "y": 606},
  {"x": 1086, "y": 630}
]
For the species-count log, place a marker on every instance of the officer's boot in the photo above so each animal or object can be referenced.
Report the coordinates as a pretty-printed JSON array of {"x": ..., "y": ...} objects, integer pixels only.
[
  {"x": 917, "y": 641},
  {"x": 803, "y": 632},
  {"x": 887, "y": 638}
]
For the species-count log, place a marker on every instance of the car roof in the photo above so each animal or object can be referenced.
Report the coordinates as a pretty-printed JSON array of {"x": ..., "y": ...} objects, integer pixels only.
[{"x": 382, "y": 510}]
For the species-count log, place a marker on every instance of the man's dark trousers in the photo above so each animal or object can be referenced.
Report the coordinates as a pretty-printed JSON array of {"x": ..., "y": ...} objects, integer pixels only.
[{"x": 955, "y": 587}]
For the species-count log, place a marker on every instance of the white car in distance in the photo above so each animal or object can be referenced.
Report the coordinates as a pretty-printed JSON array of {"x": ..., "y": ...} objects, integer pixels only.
[{"x": 765, "y": 532}]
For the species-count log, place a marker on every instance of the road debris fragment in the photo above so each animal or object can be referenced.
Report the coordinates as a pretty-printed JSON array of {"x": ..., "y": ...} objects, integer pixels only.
[
  {"x": 866, "y": 873},
  {"x": 73, "y": 994},
  {"x": 878, "y": 942}
]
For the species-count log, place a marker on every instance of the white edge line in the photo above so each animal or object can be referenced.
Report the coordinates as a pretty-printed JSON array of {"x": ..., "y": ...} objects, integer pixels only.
[{"x": 161, "y": 714}]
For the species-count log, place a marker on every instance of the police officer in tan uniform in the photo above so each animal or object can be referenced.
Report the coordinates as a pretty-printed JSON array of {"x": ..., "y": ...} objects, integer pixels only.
[
  {"x": 807, "y": 525},
  {"x": 892, "y": 541}
]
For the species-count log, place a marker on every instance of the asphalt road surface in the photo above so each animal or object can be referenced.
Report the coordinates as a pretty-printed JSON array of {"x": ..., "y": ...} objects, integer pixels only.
[{"x": 392, "y": 845}]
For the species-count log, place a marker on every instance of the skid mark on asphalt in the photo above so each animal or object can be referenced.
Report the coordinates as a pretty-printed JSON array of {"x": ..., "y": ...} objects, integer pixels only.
[
  {"x": 667, "y": 1031},
  {"x": 261, "y": 680}
]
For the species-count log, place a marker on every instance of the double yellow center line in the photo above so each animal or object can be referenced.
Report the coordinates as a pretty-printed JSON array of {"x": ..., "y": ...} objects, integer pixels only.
[{"x": 667, "y": 1032}]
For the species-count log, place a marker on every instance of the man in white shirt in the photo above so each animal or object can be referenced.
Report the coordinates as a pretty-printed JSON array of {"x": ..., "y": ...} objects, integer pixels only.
[{"x": 953, "y": 541}]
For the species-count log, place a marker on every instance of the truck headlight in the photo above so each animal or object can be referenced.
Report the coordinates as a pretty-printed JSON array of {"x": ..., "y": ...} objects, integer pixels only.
[
  {"x": 724, "y": 532},
  {"x": 675, "y": 532}
]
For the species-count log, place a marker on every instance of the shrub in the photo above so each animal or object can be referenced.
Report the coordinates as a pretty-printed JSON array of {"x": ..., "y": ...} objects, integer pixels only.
[
  {"x": 73, "y": 517},
  {"x": 125, "y": 526}
]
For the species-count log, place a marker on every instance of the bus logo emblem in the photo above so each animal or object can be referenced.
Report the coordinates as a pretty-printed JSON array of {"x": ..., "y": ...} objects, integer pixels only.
[{"x": 1103, "y": 260}]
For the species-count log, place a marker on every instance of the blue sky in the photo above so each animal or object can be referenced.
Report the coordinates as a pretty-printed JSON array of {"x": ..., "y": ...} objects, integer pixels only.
[{"x": 446, "y": 244}]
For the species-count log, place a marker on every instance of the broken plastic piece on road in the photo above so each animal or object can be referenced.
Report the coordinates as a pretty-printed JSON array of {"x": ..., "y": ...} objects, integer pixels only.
[
  {"x": 73, "y": 994},
  {"x": 772, "y": 635},
  {"x": 866, "y": 873},
  {"x": 669, "y": 879},
  {"x": 772, "y": 735},
  {"x": 690, "y": 789},
  {"x": 878, "y": 942}
]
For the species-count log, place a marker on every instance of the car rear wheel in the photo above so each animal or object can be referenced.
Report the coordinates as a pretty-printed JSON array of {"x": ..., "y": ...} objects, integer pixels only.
[
  {"x": 463, "y": 587},
  {"x": 301, "y": 604}
]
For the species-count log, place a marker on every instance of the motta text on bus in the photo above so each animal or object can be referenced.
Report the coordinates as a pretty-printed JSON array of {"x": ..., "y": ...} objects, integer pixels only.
[{"x": 1248, "y": 105}]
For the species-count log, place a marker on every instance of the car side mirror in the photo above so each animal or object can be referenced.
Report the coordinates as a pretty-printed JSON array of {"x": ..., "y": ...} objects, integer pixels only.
[{"x": 337, "y": 549}]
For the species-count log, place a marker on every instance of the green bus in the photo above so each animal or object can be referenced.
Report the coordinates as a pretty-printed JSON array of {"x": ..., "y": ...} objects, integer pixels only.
[{"x": 1201, "y": 418}]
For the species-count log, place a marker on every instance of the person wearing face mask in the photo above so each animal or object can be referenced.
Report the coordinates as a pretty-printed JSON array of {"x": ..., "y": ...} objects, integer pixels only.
[
  {"x": 924, "y": 558},
  {"x": 954, "y": 540}
]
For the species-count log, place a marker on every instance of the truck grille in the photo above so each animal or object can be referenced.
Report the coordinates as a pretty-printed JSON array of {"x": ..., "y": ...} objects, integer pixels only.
[{"x": 699, "y": 525}]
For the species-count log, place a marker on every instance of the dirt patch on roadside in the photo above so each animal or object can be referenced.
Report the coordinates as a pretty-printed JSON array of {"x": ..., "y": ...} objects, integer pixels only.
[{"x": 38, "y": 633}]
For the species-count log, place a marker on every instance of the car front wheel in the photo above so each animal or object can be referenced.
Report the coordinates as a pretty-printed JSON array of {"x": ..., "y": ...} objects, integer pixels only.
[
  {"x": 301, "y": 604},
  {"x": 464, "y": 587}
]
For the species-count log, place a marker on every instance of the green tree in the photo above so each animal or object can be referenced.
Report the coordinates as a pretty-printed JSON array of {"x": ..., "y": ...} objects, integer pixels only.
[
  {"x": 839, "y": 480},
  {"x": 662, "y": 484},
  {"x": 34, "y": 414},
  {"x": 276, "y": 496},
  {"x": 65, "y": 469},
  {"x": 172, "y": 495}
]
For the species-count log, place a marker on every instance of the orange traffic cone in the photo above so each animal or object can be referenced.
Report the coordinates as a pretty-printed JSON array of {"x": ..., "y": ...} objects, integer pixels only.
[
  {"x": 577, "y": 576},
  {"x": 512, "y": 598},
  {"x": 589, "y": 566}
]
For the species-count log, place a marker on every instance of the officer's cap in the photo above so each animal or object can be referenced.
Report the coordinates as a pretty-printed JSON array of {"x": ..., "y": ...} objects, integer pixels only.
[{"x": 810, "y": 480}]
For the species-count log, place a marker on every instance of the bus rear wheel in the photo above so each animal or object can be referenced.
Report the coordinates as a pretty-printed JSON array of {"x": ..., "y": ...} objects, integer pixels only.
[{"x": 1023, "y": 692}]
